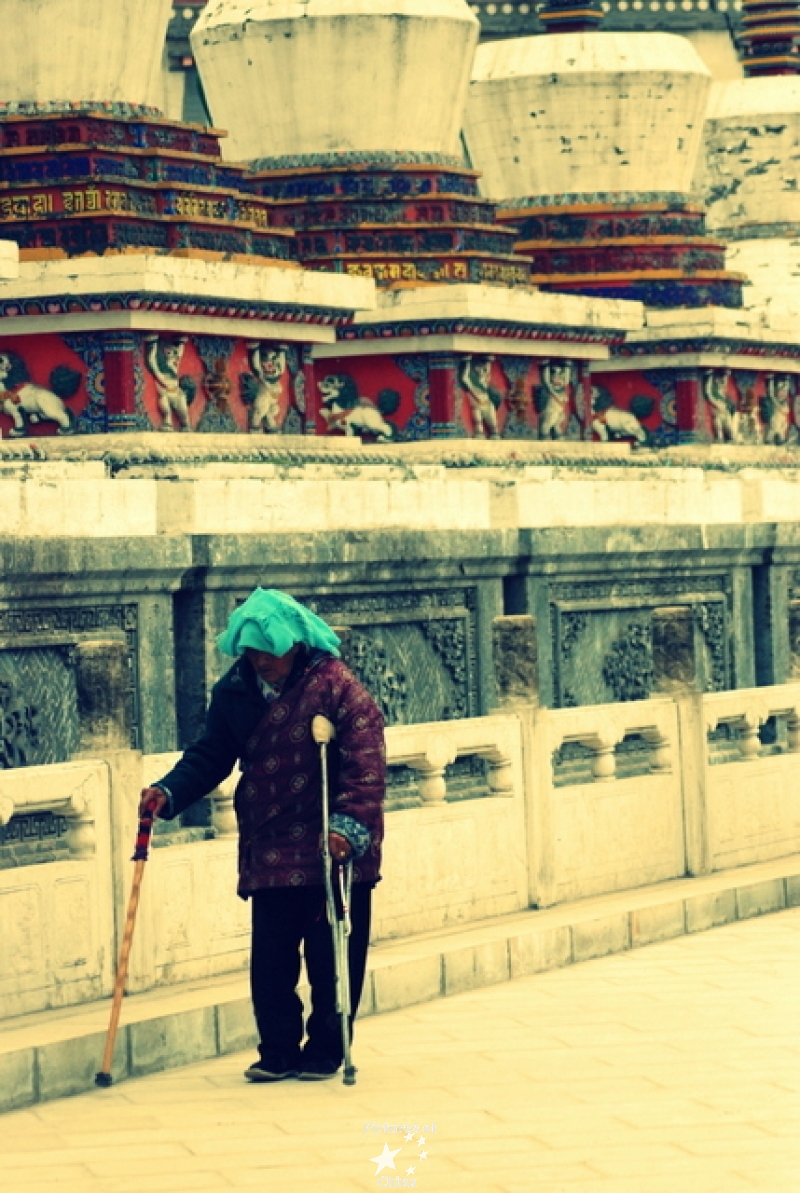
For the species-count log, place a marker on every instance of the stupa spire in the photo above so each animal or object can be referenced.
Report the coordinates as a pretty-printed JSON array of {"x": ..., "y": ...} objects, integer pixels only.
[
  {"x": 571, "y": 16},
  {"x": 349, "y": 113},
  {"x": 769, "y": 39}
]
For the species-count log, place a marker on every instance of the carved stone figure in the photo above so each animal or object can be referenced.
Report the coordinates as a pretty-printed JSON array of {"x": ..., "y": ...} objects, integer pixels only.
[
  {"x": 612, "y": 422},
  {"x": 345, "y": 410},
  {"x": 724, "y": 415},
  {"x": 263, "y": 388},
  {"x": 750, "y": 430},
  {"x": 26, "y": 402},
  {"x": 175, "y": 393},
  {"x": 483, "y": 397},
  {"x": 777, "y": 406},
  {"x": 553, "y": 399}
]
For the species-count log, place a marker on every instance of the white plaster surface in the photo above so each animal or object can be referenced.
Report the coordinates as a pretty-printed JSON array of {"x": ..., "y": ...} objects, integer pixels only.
[
  {"x": 772, "y": 265},
  {"x": 517, "y": 305},
  {"x": 577, "y": 113},
  {"x": 76, "y": 508},
  {"x": 83, "y": 50},
  {"x": 185, "y": 277},
  {"x": 75, "y": 500},
  {"x": 716, "y": 48},
  {"x": 9, "y": 260},
  {"x": 609, "y": 498},
  {"x": 749, "y": 172},
  {"x": 758, "y": 326},
  {"x": 328, "y": 76}
]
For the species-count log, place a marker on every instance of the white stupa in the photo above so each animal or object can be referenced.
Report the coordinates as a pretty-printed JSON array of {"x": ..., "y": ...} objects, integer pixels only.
[
  {"x": 589, "y": 141},
  {"x": 587, "y": 113},
  {"x": 334, "y": 76},
  {"x": 750, "y": 181},
  {"x": 61, "y": 53}
]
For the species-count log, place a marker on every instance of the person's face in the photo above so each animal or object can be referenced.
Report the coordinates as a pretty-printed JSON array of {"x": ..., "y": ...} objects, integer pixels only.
[{"x": 272, "y": 668}]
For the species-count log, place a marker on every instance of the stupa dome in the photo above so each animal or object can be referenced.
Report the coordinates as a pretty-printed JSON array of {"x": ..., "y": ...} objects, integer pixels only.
[
  {"x": 73, "y": 53},
  {"x": 587, "y": 113},
  {"x": 289, "y": 78},
  {"x": 750, "y": 175}
]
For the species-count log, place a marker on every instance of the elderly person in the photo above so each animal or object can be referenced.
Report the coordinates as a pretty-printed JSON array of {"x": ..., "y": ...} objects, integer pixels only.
[{"x": 287, "y": 672}]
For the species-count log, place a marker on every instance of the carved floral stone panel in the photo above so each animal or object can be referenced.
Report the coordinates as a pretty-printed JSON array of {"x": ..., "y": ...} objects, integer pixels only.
[
  {"x": 416, "y": 652},
  {"x": 602, "y": 637},
  {"x": 38, "y": 706}
]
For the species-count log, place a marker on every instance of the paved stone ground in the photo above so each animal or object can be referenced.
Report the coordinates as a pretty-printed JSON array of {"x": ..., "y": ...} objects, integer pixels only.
[{"x": 670, "y": 1069}]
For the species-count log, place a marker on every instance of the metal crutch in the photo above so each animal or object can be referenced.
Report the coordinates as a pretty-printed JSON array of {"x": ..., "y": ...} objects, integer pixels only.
[
  {"x": 103, "y": 1078},
  {"x": 323, "y": 733}
]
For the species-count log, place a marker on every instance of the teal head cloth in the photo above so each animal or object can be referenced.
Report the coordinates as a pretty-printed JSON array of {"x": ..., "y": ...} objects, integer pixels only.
[{"x": 273, "y": 621}]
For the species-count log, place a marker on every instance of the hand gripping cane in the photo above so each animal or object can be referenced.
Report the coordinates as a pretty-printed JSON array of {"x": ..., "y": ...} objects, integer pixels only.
[
  {"x": 104, "y": 1078},
  {"x": 323, "y": 733}
]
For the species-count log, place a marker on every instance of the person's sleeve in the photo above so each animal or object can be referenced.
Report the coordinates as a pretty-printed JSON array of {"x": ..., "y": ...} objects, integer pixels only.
[
  {"x": 203, "y": 766},
  {"x": 361, "y": 786}
]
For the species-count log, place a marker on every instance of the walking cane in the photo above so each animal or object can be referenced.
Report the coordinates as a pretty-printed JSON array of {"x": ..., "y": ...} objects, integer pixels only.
[
  {"x": 323, "y": 733},
  {"x": 104, "y": 1078}
]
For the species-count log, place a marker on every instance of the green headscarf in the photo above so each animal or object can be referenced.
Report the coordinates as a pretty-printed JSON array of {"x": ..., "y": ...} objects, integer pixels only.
[{"x": 273, "y": 621}]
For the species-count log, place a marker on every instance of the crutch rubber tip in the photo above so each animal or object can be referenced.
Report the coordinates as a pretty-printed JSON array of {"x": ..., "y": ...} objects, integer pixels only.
[
  {"x": 349, "y": 1077},
  {"x": 104, "y": 1080}
]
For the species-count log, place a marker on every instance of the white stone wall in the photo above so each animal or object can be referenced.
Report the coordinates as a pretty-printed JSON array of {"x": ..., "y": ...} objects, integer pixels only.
[
  {"x": 578, "y": 113},
  {"x": 77, "y": 500},
  {"x": 336, "y": 76},
  {"x": 83, "y": 50}
]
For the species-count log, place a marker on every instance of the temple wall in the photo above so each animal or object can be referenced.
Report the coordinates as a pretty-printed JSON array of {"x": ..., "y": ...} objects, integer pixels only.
[{"x": 415, "y": 562}]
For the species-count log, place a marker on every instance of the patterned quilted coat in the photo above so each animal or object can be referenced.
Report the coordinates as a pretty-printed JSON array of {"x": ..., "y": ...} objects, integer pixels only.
[{"x": 278, "y": 799}]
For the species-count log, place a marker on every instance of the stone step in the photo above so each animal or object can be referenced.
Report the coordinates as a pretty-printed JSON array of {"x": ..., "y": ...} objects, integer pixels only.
[{"x": 56, "y": 1053}]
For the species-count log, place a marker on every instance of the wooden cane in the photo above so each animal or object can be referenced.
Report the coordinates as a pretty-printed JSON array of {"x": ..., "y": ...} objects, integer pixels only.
[{"x": 104, "y": 1078}]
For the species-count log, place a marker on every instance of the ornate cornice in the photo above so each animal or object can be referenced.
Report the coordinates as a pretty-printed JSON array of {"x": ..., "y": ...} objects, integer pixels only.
[
  {"x": 494, "y": 328},
  {"x": 704, "y": 345},
  {"x": 198, "y": 307}
]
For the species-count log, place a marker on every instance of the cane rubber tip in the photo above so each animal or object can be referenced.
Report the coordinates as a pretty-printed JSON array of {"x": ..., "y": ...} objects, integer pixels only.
[
  {"x": 103, "y": 1080},
  {"x": 349, "y": 1077}
]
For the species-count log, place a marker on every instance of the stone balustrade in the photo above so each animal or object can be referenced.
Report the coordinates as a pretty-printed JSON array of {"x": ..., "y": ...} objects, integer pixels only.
[
  {"x": 55, "y": 944},
  {"x": 648, "y": 798}
]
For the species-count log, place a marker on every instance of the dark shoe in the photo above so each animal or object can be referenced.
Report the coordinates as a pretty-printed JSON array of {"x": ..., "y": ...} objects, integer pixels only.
[
  {"x": 276, "y": 1069},
  {"x": 317, "y": 1068}
]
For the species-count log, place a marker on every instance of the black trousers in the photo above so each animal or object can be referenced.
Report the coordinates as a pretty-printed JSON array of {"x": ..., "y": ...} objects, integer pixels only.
[{"x": 283, "y": 919}]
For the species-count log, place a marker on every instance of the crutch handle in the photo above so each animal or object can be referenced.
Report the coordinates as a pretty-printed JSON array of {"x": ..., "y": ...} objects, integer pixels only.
[{"x": 323, "y": 731}]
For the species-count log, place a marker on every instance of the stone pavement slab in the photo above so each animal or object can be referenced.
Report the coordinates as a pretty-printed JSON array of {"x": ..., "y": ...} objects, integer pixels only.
[{"x": 670, "y": 1069}]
